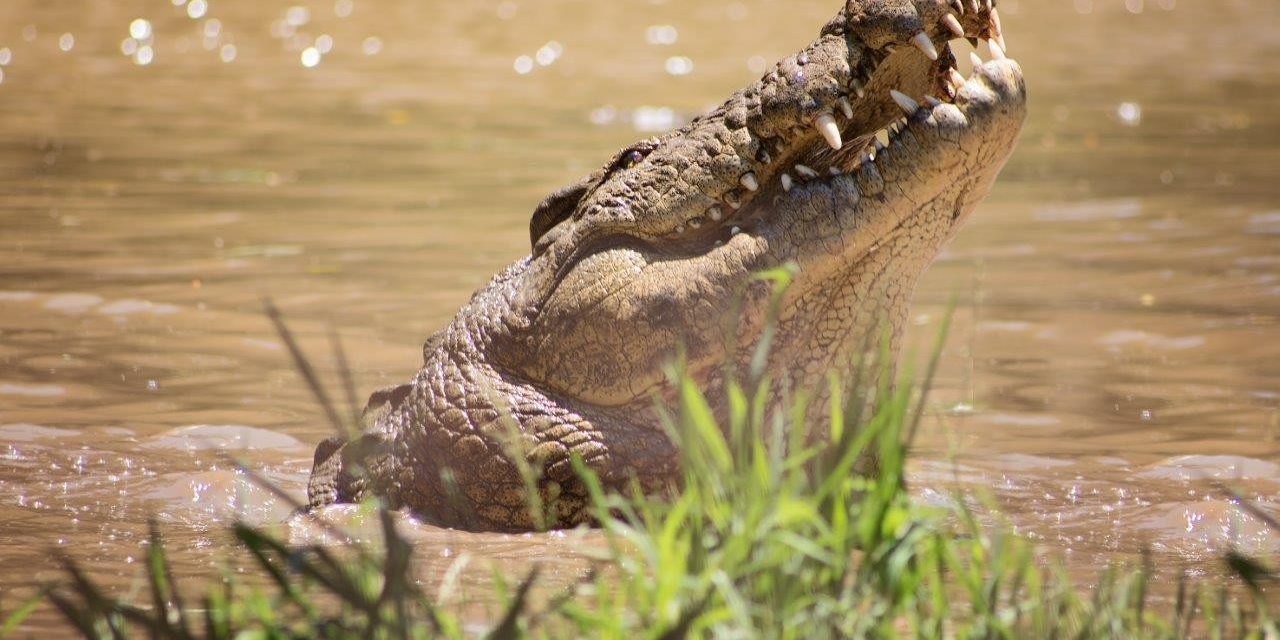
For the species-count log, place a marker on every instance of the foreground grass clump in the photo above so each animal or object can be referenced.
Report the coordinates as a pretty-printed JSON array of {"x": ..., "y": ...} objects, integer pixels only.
[{"x": 782, "y": 530}]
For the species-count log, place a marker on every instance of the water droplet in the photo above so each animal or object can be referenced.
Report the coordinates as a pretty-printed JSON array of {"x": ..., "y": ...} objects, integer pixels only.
[
  {"x": 29, "y": 33},
  {"x": 144, "y": 56},
  {"x": 603, "y": 115},
  {"x": 653, "y": 118},
  {"x": 679, "y": 66},
  {"x": 6, "y": 56},
  {"x": 227, "y": 53},
  {"x": 661, "y": 34},
  {"x": 523, "y": 65},
  {"x": 343, "y": 8},
  {"x": 140, "y": 29},
  {"x": 310, "y": 57},
  {"x": 1146, "y": 415},
  {"x": 212, "y": 27},
  {"x": 1130, "y": 113},
  {"x": 66, "y": 42},
  {"x": 297, "y": 15},
  {"x": 128, "y": 46},
  {"x": 371, "y": 45},
  {"x": 549, "y": 53},
  {"x": 324, "y": 43}
]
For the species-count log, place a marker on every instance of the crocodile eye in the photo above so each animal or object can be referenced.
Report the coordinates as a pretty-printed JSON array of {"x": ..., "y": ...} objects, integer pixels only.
[{"x": 631, "y": 158}]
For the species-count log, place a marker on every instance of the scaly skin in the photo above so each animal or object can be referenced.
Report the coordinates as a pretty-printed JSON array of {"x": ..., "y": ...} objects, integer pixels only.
[{"x": 567, "y": 347}]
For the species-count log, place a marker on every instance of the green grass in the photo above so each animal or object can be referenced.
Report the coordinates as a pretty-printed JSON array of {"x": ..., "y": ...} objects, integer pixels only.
[{"x": 782, "y": 530}]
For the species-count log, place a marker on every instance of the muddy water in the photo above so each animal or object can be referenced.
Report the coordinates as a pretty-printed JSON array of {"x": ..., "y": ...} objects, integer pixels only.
[{"x": 369, "y": 164}]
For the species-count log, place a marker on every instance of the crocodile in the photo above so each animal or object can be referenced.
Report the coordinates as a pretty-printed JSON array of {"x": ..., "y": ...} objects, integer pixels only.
[{"x": 853, "y": 161}]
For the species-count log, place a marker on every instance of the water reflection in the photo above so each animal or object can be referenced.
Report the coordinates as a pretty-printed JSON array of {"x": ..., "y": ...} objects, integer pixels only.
[{"x": 1113, "y": 354}]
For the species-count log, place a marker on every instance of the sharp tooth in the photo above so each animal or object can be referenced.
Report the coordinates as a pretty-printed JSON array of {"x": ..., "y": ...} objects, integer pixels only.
[
  {"x": 845, "y": 107},
  {"x": 787, "y": 183},
  {"x": 715, "y": 214},
  {"x": 732, "y": 200},
  {"x": 680, "y": 228},
  {"x": 735, "y": 231},
  {"x": 931, "y": 101},
  {"x": 858, "y": 88},
  {"x": 908, "y": 105},
  {"x": 806, "y": 171},
  {"x": 958, "y": 6},
  {"x": 749, "y": 181},
  {"x": 997, "y": 53},
  {"x": 973, "y": 57},
  {"x": 995, "y": 22},
  {"x": 957, "y": 79},
  {"x": 973, "y": 4},
  {"x": 833, "y": 170},
  {"x": 953, "y": 24},
  {"x": 827, "y": 126},
  {"x": 922, "y": 42},
  {"x": 879, "y": 146},
  {"x": 882, "y": 138},
  {"x": 865, "y": 158}
]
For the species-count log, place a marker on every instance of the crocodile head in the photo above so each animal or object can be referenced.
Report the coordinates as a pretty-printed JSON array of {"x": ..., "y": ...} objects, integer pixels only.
[{"x": 839, "y": 161}]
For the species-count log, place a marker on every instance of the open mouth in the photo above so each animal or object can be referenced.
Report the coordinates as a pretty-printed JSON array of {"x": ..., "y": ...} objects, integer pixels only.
[{"x": 868, "y": 120}]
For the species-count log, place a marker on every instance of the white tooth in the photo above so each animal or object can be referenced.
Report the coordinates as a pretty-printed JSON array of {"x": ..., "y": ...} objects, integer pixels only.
[
  {"x": 996, "y": 52},
  {"x": 735, "y": 231},
  {"x": 806, "y": 171},
  {"x": 695, "y": 223},
  {"x": 865, "y": 158},
  {"x": 973, "y": 57},
  {"x": 995, "y": 22},
  {"x": 787, "y": 182},
  {"x": 749, "y": 181},
  {"x": 879, "y": 146},
  {"x": 845, "y": 107},
  {"x": 826, "y": 124},
  {"x": 833, "y": 170},
  {"x": 973, "y": 4},
  {"x": 932, "y": 101},
  {"x": 908, "y": 105},
  {"x": 953, "y": 24},
  {"x": 680, "y": 229},
  {"x": 923, "y": 43},
  {"x": 858, "y": 88},
  {"x": 715, "y": 214},
  {"x": 957, "y": 79}
]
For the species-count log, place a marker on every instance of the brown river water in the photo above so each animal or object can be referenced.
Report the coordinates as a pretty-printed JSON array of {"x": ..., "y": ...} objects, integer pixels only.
[{"x": 166, "y": 164}]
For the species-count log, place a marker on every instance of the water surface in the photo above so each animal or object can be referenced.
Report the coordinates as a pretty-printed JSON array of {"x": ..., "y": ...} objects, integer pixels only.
[{"x": 1115, "y": 349}]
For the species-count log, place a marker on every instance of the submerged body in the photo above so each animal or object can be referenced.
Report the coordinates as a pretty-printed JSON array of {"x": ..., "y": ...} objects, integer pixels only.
[{"x": 564, "y": 351}]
